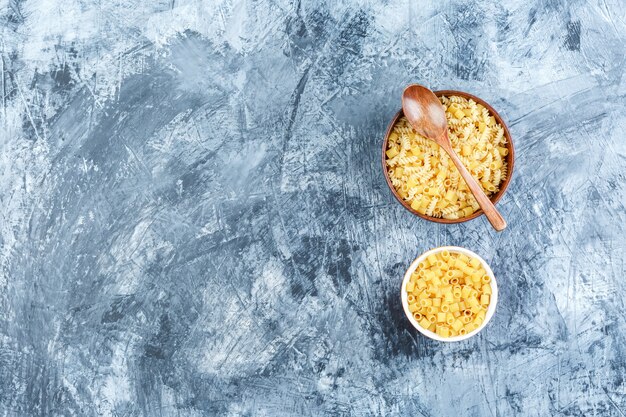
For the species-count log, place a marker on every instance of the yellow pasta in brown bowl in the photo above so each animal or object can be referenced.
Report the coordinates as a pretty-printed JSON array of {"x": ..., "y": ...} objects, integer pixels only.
[
  {"x": 449, "y": 293},
  {"x": 422, "y": 176}
]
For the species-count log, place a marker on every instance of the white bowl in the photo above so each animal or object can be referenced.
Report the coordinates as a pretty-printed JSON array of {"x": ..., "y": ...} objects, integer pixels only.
[{"x": 490, "y": 310}]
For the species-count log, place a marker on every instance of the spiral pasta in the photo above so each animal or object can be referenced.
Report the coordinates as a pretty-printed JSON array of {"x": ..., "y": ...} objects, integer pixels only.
[{"x": 423, "y": 174}]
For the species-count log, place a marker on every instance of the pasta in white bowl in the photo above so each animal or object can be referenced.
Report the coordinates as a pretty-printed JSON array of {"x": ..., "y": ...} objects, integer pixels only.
[{"x": 449, "y": 293}]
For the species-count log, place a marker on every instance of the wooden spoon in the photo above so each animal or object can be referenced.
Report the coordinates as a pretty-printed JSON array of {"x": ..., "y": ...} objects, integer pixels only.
[{"x": 423, "y": 110}]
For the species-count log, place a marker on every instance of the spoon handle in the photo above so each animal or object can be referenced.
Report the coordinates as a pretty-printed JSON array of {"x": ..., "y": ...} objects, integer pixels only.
[{"x": 493, "y": 215}]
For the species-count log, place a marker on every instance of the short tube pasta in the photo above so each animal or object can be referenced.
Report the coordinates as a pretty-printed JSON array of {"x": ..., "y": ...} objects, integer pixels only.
[{"x": 449, "y": 307}]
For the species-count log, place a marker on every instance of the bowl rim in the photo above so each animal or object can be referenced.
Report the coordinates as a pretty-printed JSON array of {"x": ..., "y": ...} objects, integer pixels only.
[
  {"x": 490, "y": 310},
  {"x": 494, "y": 198}
]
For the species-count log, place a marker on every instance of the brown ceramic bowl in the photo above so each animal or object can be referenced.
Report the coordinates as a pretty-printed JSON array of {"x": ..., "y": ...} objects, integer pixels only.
[{"x": 509, "y": 159}]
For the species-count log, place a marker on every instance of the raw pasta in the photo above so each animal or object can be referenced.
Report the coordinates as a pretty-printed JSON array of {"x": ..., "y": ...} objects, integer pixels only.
[
  {"x": 449, "y": 294},
  {"x": 423, "y": 174}
]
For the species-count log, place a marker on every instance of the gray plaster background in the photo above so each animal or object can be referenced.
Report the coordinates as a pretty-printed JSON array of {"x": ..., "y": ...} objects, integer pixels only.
[{"x": 194, "y": 220}]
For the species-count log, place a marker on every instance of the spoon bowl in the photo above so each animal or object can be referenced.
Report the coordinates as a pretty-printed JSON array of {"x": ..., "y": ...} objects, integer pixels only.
[{"x": 424, "y": 112}]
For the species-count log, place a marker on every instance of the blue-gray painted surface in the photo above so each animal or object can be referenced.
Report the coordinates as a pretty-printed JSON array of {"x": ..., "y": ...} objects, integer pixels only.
[{"x": 194, "y": 220}]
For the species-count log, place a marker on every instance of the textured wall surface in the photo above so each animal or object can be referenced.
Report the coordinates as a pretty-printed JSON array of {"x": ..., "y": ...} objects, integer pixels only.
[{"x": 194, "y": 220}]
